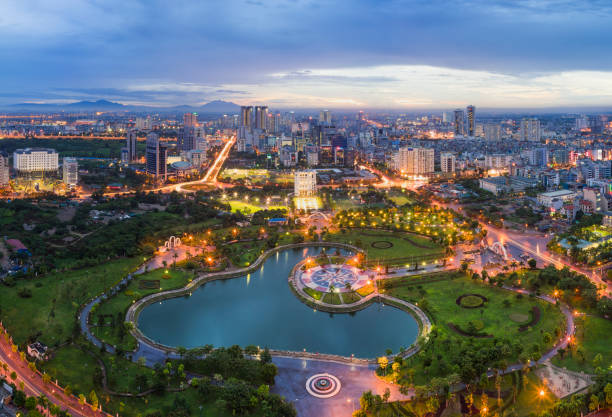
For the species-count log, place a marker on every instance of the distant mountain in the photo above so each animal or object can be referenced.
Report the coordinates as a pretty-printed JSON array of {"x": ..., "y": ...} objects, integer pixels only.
[
  {"x": 217, "y": 106},
  {"x": 220, "y": 106},
  {"x": 95, "y": 105}
]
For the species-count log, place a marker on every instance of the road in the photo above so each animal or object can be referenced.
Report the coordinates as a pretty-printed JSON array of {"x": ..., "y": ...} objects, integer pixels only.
[
  {"x": 209, "y": 178},
  {"x": 35, "y": 386}
]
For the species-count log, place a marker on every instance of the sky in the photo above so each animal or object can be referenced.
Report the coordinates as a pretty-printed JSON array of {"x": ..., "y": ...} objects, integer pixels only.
[{"x": 387, "y": 54}]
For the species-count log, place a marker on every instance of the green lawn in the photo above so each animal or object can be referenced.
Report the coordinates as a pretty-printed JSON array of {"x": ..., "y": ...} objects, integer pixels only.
[
  {"x": 350, "y": 297},
  {"x": 592, "y": 337},
  {"x": 50, "y": 313},
  {"x": 404, "y": 244},
  {"x": 119, "y": 304},
  {"x": 529, "y": 401},
  {"x": 72, "y": 366},
  {"x": 313, "y": 293},
  {"x": 250, "y": 208},
  {"x": 493, "y": 319},
  {"x": 332, "y": 298}
]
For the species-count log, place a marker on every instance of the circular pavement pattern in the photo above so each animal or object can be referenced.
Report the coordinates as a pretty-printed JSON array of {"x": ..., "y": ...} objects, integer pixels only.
[
  {"x": 320, "y": 278},
  {"x": 323, "y": 385},
  {"x": 381, "y": 244}
]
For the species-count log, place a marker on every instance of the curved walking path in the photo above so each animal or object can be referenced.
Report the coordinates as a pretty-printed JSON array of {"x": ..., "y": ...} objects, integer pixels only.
[{"x": 294, "y": 368}]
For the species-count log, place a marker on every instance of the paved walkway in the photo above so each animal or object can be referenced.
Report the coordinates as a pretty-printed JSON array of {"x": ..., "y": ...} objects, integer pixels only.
[{"x": 294, "y": 371}]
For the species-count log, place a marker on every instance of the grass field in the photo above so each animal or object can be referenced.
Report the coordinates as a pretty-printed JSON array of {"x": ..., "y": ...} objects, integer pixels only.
[
  {"x": 50, "y": 313},
  {"x": 72, "y": 366},
  {"x": 403, "y": 244},
  {"x": 441, "y": 299},
  {"x": 250, "y": 208},
  {"x": 121, "y": 302},
  {"x": 592, "y": 337}
]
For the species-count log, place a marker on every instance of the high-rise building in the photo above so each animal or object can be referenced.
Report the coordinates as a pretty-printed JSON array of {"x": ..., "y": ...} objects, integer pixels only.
[
  {"x": 188, "y": 138},
  {"x": 530, "y": 130},
  {"x": 447, "y": 162},
  {"x": 471, "y": 120},
  {"x": 414, "y": 161},
  {"x": 325, "y": 117},
  {"x": 459, "y": 122},
  {"x": 190, "y": 119},
  {"x": 246, "y": 116},
  {"x": 35, "y": 160},
  {"x": 70, "y": 168},
  {"x": 4, "y": 170},
  {"x": 492, "y": 132},
  {"x": 261, "y": 117},
  {"x": 305, "y": 183},
  {"x": 157, "y": 157},
  {"x": 131, "y": 146}
]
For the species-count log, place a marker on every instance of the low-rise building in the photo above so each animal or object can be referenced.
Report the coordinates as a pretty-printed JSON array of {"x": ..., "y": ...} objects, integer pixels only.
[
  {"x": 546, "y": 199},
  {"x": 38, "y": 351}
]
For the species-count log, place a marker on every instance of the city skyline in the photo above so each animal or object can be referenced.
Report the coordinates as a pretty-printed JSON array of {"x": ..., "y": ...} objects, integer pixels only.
[{"x": 388, "y": 55}]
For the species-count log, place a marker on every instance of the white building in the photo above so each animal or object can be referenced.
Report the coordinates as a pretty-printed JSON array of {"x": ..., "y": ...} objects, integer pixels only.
[
  {"x": 530, "y": 130},
  {"x": 547, "y": 199},
  {"x": 305, "y": 183},
  {"x": 447, "y": 162},
  {"x": 414, "y": 161},
  {"x": 35, "y": 160},
  {"x": 498, "y": 161},
  {"x": 4, "y": 170},
  {"x": 70, "y": 168},
  {"x": 196, "y": 157}
]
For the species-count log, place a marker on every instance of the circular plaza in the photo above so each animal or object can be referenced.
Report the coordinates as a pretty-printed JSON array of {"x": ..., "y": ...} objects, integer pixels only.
[{"x": 336, "y": 277}]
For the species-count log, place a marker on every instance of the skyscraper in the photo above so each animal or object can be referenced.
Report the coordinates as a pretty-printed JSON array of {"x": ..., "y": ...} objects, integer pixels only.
[
  {"x": 70, "y": 168},
  {"x": 471, "y": 119},
  {"x": 530, "y": 130},
  {"x": 187, "y": 140},
  {"x": 157, "y": 156},
  {"x": 459, "y": 122},
  {"x": 246, "y": 116},
  {"x": 4, "y": 169},
  {"x": 325, "y": 117},
  {"x": 131, "y": 145},
  {"x": 190, "y": 119},
  {"x": 261, "y": 117}
]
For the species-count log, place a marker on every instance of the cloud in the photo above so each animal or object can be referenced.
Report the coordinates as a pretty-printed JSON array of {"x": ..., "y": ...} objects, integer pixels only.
[{"x": 190, "y": 50}]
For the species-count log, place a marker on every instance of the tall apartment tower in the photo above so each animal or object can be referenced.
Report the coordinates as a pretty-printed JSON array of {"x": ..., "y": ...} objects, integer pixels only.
[
  {"x": 471, "y": 120},
  {"x": 70, "y": 169},
  {"x": 415, "y": 161},
  {"x": 157, "y": 157},
  {"x": 459, "y": 122},
  {"x": 261, "y": 117},
  {"x": 4, "y": 169},
  {"x": 190, "y": 119},
  {"x": 246, "y": 116},
  {"x": 187, "y": 138},
  {"x": 131, "y": 146},
  {"x": 447, "y": 162},
  {"x": 325, "y": 117},
  {"x": 530, "y": 130}
]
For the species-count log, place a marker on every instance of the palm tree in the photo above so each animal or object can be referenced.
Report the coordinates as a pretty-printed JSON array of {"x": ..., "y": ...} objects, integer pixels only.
[{"x": 175, "y": 256}]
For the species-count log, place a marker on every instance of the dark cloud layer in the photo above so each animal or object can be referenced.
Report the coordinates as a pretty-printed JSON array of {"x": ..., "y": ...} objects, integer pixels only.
[{"x": 60, "y": 46}]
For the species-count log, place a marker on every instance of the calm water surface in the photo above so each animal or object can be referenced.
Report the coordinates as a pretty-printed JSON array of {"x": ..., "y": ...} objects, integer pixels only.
[{"x": 260, "y": 309}]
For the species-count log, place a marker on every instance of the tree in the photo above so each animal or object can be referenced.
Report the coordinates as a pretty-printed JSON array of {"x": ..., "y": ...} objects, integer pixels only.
[
  {"x": 608, "y": 392},
  {"x": 68, "y": 390},
  {"x": 594, "y": 403},
  {"x": 30, "y": 403},
  {"x": 383, "y": 362},
  {"x": 597, "y": 360},
  {"x": 93, "y": 400},
  {"x": 82, "y": 399},
  {"x": 46, "y": 378},
  {"x": 532, "y": 263}
]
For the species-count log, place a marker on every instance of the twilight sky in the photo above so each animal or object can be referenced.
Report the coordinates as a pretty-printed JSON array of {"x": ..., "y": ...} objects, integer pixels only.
[{"x": 309, "y": 53}]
